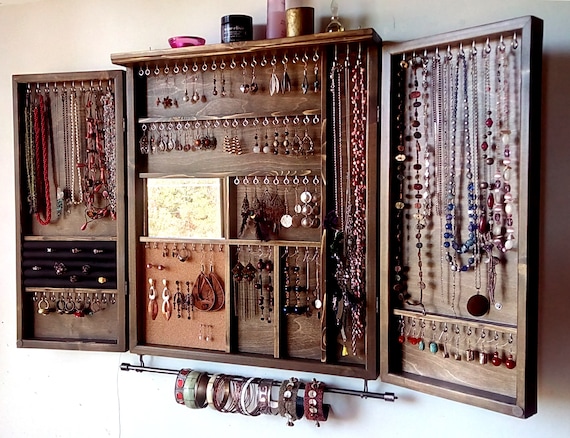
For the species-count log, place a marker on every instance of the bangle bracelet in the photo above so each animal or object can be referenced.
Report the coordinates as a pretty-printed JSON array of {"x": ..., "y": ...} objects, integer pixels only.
[
  {"x": 210, "y": 390},
  {"x": 313, "y": 402},
  {"x": 222, "y": 393},
  {"x": 200, "y": 390},
  {"x": 193, "y": 380},
  {"x": 179, "y": 385},
  {"x": 236, "y": 385},
  {"x": 288, "y": 403},
  {"x": 249, "y": 400},
  {"x": 264, "y": 402}
]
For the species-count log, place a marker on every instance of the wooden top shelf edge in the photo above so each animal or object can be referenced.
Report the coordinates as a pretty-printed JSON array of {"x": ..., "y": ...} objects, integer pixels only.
[{"x": 220, "y": 49}]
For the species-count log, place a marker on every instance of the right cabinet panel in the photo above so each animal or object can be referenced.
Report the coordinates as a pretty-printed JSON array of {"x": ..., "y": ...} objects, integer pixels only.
[{"x": 459, "y": 203}]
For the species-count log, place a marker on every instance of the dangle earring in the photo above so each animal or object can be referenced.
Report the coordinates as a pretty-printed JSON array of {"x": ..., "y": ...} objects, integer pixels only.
[
  {"x": 223, "y": 92},
  {"x": 305, "y": 83},
  {"x": 259, "y": 288},
  {"x": 274, "y": 81},
  {"x": 317, "y": 81},
  {"x": 307, "y": 145},
  {"x": 266, "y": 148},
  {"x": 286, "y": 140},
  {"x": 244, "y": 87},
  {"x": 195, "y": 95},
  {"x": 269, "y": 287},
  {"x": 152, "y": 308},
  {"x": 496, "y": 359},
  {"x": 166, "y": 306},
  {"x": 178, "y": 300},
  {"x": 253, "y": 86},
  {"x": 286, "y": 82},
  {"x": 189, "y": 301},
  {"x": 143, "y": 142},
  {"x": 237, "y": 275},
  {"x": 287, "y": 308},
  {"x": 256, "y": 148},
  {"x": 276, "y": 143},
  {"x": 510, "y": 362}
]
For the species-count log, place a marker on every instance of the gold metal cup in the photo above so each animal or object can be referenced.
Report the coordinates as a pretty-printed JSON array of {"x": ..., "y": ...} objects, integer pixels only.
[{"x": 300, "y": 21}]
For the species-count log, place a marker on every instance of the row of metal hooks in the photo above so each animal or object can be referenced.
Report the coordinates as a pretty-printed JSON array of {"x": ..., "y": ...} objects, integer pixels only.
[
  {"x": 253, "y": 62},
  {"x": 235, "y": 123},
  {"x": 448, "y": 53},
  {"x": 92, "y": 86}
]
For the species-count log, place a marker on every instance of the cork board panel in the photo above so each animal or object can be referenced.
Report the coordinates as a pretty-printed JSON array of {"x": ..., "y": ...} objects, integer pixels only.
[{"x": 193, "y": 328}]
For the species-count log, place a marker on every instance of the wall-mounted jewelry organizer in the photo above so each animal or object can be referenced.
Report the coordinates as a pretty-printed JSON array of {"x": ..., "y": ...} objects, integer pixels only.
[
  {"x": 70, "y": 214},
  {"x": 460, "y": 173},
  {"x": 252, "y": 233}
]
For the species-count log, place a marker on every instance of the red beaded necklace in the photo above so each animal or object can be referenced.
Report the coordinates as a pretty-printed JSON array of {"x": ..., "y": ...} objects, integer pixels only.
[{"x": 42, "y": 164}]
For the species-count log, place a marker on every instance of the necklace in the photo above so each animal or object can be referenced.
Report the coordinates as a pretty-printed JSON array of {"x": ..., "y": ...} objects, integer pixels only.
[
  {"x": 30, "y": 152},
  {"x": 357, "y": 241},
  {"x": 416, "y": 149},
  {"x": 477, "y": 305},
  {"x": 506, "y": 140},
  {"x": 42, "y": 167},
  {"x": 453, "y": 217},
  {"x": 75, "y": 158},
  {"x": 399, "y": 277}
]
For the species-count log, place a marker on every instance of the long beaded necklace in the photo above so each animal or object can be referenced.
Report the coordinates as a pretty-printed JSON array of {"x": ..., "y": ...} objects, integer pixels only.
[
  {"x": 453, "y": 216},
  {"x": 42, "y": 163},
  {"x": 110, "y": 139},
  {"x": 341, "y": 274},
  {"x": 67, "y": 153},
  {"x": 399, "y": 277},
  {"x": 415, "y": 96},
  {"x": 504, "y": 169},
  {"x": 30, "y": 156},
  {"x": 76, "y": 158},
  {"x": 357, "y": 239},
  {"x": 477, "y": 305}
]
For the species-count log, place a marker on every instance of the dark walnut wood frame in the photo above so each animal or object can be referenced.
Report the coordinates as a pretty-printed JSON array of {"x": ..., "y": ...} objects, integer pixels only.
[
  {"x": 509, "y": 391},
  {"x": 105, "y": 330},
  {"x": 290, "y": 342}
]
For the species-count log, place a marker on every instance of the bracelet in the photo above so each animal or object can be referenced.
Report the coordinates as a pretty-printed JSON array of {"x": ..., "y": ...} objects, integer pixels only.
[
  {"x": 265, "y": 404},
  {"x": 210, "y": 390},
  {"x": 313, "y": 402},
  {"x": 236, "y": 386},
  {"x": 200, "y": 390},
  {"x": 290, "y": 406},
  {"x": 249, "y": 400},
  {"x": 221, "y": 392},
  {"x": 179, "y": 385},
  {"x": 192, "y": 398}
]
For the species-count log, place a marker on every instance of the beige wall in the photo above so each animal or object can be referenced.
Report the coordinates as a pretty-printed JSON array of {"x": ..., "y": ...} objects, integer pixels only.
[{"x": 73, "y": 394}]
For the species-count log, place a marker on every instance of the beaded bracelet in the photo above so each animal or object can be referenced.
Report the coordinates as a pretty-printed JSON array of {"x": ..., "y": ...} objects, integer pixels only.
[
  {"x": 288, "y": 401},
  {"x": 313, "y": 402}
]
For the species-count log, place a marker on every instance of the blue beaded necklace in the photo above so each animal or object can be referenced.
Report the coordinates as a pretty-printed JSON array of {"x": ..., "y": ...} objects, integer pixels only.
[{"x": 453, "y": 217}]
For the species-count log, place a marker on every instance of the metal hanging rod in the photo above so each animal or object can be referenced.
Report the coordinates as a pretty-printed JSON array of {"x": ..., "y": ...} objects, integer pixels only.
[{"x": 386, "y": 396}]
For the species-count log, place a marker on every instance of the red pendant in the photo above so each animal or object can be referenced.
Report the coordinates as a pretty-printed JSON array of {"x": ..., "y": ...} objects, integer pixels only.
[
  {"x": 510, "y": 362},
  {"x": 496, "y": 359}
]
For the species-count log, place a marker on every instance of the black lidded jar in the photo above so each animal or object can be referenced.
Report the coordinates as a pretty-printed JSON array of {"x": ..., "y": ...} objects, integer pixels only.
[{"x": 237, "y": 28}]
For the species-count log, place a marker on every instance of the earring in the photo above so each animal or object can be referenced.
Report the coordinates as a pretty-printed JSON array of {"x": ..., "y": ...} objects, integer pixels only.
[
  {"x": 152, "y": 308},
  {"x": 256, "y": 148}
]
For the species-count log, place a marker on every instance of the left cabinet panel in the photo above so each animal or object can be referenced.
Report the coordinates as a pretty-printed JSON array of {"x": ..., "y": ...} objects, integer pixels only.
[{"x": 70, "y": 210}]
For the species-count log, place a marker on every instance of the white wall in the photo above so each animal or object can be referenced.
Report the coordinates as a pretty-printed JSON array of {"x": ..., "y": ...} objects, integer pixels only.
[{"x": 73, "y": 394}]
